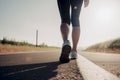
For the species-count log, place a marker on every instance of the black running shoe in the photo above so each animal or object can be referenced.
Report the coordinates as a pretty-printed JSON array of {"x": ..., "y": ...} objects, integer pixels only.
[{"x": 66, "y": 49}]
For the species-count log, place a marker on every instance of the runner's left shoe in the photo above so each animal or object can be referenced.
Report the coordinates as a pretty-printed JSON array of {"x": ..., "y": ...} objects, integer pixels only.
[{"x": 66, "y": 49}]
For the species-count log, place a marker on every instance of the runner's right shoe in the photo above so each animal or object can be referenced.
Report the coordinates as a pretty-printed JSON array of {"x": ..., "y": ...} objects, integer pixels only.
[
  {"x": 66, "y": 49},
  {"x": 73, "y": 55}
]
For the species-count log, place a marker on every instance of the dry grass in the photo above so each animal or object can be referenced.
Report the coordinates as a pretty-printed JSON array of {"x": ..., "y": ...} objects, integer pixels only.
[
  {"x": 11, "y": 48},
  {"x": 111, "y": 46}
]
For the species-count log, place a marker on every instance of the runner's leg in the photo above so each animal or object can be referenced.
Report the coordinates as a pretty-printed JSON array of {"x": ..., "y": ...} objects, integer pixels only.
[
  {"x": 64, "y": 9},
  {"x": 76, "y": 8}
]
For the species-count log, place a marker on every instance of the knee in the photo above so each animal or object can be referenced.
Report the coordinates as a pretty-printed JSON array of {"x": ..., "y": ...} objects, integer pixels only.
[
  {"x": 65, "y": 25},
  {"x": 65, "y": 21}
]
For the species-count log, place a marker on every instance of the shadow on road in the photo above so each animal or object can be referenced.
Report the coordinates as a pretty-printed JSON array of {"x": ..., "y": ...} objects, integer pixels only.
[{"x": 40, "y": 71}]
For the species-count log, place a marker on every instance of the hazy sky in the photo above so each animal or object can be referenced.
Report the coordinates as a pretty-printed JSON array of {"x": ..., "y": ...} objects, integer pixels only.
[{"x": 19, "y": 19}]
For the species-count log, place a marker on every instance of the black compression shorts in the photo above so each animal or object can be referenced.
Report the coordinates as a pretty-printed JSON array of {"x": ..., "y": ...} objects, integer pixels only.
[{"x": 64, "y": 9}]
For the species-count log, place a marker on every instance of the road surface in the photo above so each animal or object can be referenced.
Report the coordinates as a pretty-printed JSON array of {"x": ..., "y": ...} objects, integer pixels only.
[
  {"x": 102, "y": 57},
  {"x": 28, "y": 58},
  {"x": 37, "y": 66}
]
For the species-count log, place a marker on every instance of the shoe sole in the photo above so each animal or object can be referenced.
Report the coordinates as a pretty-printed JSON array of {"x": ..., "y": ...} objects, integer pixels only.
[
  {"x": 64, "y": 58},
  {"x": 73, "y": 58}
]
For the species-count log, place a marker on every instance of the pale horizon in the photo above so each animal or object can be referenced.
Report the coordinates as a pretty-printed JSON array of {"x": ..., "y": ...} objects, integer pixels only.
[{"x": 19, "y": 20}]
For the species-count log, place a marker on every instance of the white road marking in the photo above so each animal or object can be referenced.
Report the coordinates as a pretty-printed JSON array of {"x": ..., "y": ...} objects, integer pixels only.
[
  {"x": 26, "y": 70},
  {"x": 91, "y": 71}
]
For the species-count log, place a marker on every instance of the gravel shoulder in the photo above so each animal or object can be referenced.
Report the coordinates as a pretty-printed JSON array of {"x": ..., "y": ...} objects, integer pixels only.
[
  {"x": 114, "y": 68},
  {"x": 68, "y": 71}
]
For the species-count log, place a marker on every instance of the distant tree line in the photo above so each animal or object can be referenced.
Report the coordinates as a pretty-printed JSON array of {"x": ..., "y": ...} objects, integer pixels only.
[{"x": 6, "y": 41}]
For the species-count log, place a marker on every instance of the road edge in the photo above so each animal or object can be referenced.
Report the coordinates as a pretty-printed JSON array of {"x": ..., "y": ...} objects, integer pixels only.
[{"x": 91, "y": 71}]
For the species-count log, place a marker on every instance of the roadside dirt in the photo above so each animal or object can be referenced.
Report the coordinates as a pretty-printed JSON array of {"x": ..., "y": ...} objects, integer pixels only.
[{"x": 68, "y": 71}]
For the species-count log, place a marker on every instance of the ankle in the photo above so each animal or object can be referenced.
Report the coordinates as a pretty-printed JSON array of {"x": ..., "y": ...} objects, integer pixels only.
[{"x": 74, "y": 50}]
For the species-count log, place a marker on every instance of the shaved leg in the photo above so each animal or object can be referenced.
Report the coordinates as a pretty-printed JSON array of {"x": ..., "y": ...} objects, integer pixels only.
[
  {"x": 75, "y": 37},
  {"x": 64, "y": 31}
]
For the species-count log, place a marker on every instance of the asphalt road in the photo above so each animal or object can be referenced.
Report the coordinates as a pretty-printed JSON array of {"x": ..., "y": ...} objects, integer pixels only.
[
  {"x": 102, "y": 57},
  {"x": 45, "y": 57},
  {"x": 28, "y": 58},
  {"x": 35, "y": 66},
  {"x": 29, "y": 66}
]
